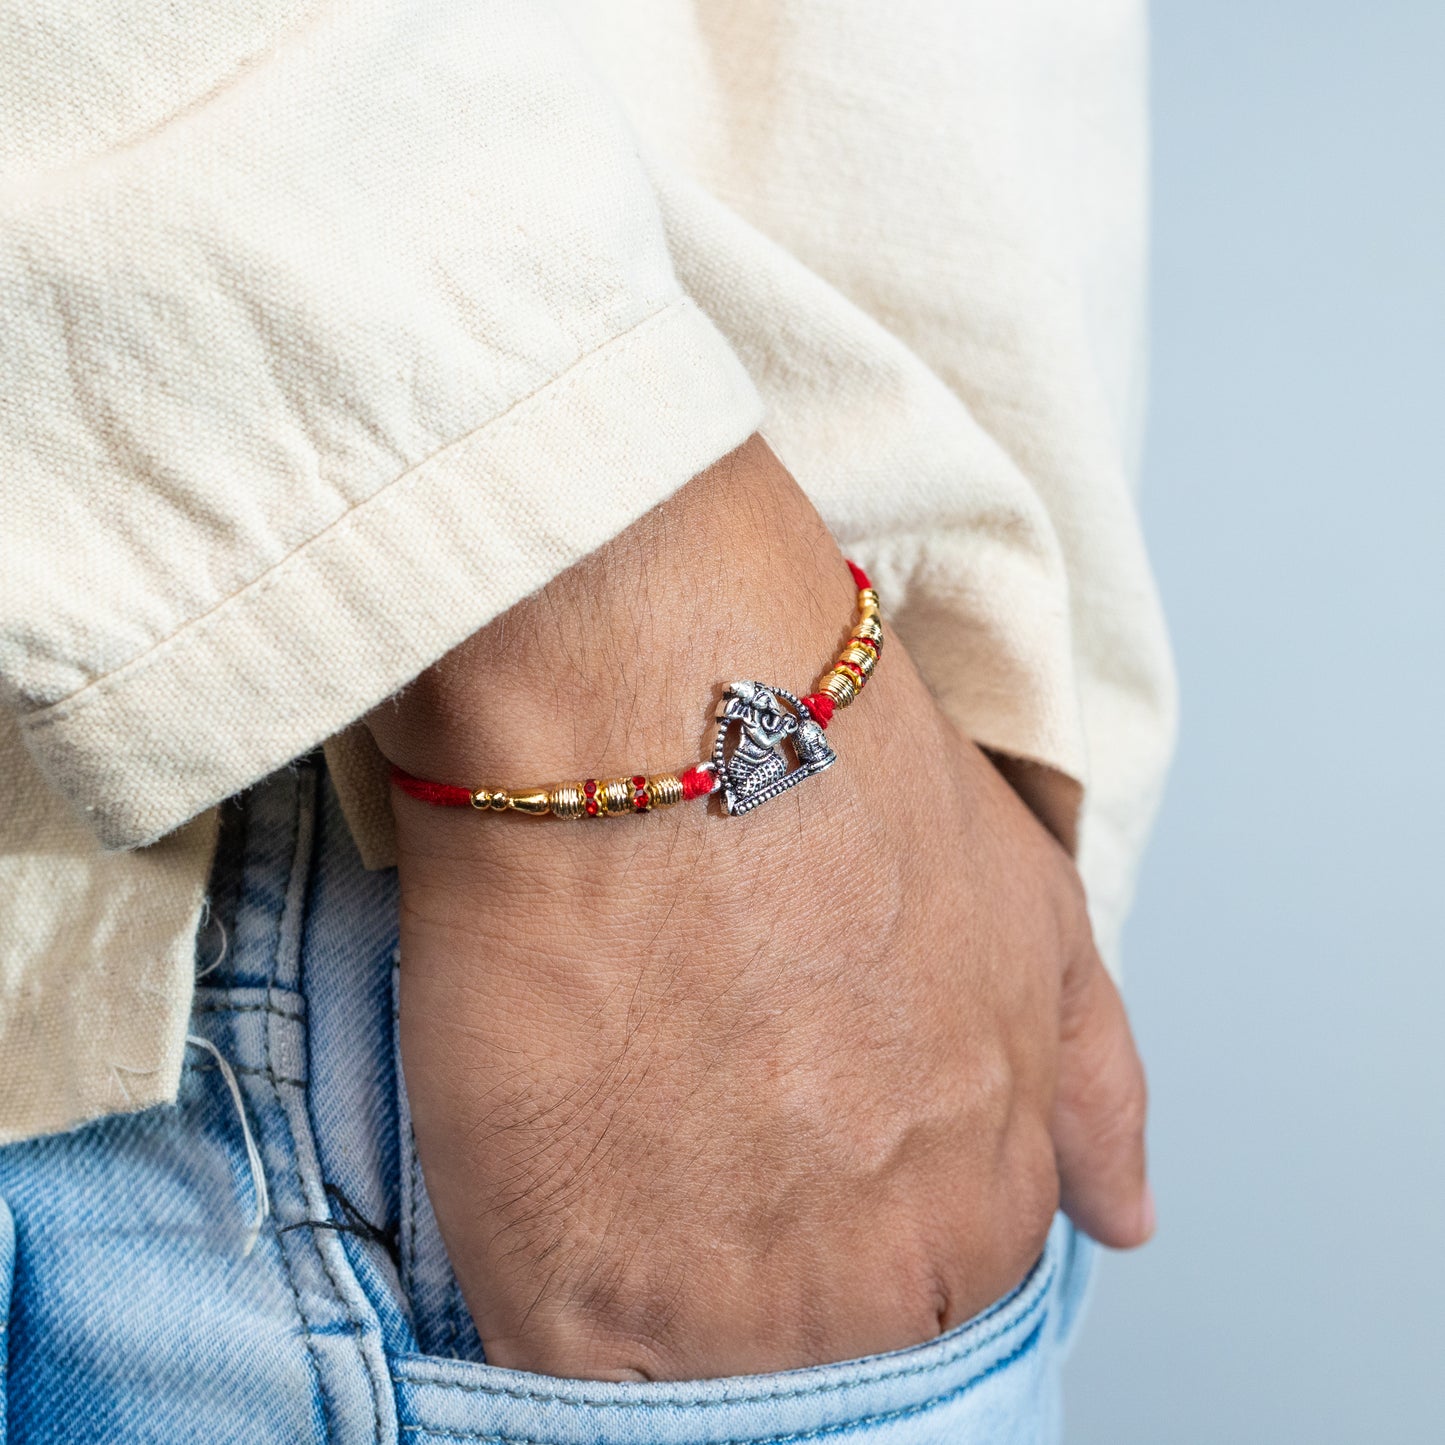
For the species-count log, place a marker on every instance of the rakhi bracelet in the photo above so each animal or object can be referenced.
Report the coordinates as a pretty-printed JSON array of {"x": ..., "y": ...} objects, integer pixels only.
[{"x": 767, "y": 741}]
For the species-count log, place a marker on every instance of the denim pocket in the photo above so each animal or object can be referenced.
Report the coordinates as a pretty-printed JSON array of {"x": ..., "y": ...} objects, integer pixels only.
[{"x": 992, "y": 1379}]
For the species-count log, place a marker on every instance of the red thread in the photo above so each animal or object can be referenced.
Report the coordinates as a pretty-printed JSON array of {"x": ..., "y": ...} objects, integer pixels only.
[
  {"x": 697, "y": 783},
  {"x": 821, "y": 706},
  {"x": 440, "y": 795}
]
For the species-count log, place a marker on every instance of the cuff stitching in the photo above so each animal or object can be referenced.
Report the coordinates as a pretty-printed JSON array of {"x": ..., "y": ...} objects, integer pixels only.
[{"x": 386, "y": 497}]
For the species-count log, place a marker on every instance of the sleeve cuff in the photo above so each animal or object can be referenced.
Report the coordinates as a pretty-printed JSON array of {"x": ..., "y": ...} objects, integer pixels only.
[{"x": 358, "y": 610}]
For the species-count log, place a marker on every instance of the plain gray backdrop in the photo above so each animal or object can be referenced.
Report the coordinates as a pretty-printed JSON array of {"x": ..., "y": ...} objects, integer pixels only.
[{"x": 1285, "y": 963}]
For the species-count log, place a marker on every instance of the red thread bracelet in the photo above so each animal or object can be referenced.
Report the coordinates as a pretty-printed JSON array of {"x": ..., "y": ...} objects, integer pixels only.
[{"x": 749, "y": 763}]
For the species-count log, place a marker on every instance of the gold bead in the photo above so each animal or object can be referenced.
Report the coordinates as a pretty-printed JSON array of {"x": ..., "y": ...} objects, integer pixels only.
[
  {"x": 614, "y": 796},
  {"x": 566, "y": 801},
  {"x": 664, "y": 790},
  {"x": 842, "y": 687},
  {"x": 868, "y": 601},
  {"x": 481, "y": 797},
  {"x": 870, "y": 628},
  {"x": 862, "y": 658},
  {"x": 536, "y": 802}
]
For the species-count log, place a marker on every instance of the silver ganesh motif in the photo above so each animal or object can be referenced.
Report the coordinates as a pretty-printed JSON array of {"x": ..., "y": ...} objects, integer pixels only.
[{"x": 758, "y": 766}]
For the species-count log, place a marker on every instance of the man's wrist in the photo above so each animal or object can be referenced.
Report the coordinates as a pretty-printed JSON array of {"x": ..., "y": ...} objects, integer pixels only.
[{"x": 615, "y": 665}]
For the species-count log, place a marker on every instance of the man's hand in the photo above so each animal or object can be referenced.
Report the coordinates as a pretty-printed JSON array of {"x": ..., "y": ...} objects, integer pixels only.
[{"x": 703, "y": 1096}]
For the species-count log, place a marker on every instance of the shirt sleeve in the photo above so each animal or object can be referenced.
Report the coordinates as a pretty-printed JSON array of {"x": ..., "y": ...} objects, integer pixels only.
[{"x": 329, "y": 333}]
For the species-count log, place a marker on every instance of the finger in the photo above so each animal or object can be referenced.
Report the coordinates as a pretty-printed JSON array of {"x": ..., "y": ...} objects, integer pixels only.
[{"x": 1099, "y": 1111}]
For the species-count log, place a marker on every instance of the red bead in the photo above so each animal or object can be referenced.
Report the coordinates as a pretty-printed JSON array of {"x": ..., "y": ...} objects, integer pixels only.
[
  {"x": 590, "y": 786},
  {"x": 854, "y": 668},
  {"x": 591, "y": 809},
  {"x": 639, "y": 803},
  {"x": 638, "y": 781}
]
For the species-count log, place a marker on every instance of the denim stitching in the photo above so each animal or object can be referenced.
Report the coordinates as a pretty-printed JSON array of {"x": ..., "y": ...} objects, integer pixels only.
[
  {"x": 247, "y": 1072},
  {"x": 409, "y": 1139},
  {"x": 412, "y": 1171},
  {"x": 454, "y": 1304},
  {"x": 270, "y": 1073},
  {"x": 950, "y": 1357},
  {"x": 358, "y": 1327},
  {"x": 797, "y": 1437},
  {"x": 305, "y": 1329},
  {"x": 249, "y": 1008},
  {"x": 413, "y": 1179}
]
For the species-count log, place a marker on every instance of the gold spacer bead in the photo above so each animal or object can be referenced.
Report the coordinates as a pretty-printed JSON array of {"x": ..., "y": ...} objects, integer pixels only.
[
  {"x": 842, "y": 687},
  {"x": 862, "y": 658},
  {"x": 870, "y": 628},
  {"x": 614, "y": 795},
  {"x": 664, "y": 790},
  {"x": 868, "y": 599},
  {"x": 566, "y": 801}
]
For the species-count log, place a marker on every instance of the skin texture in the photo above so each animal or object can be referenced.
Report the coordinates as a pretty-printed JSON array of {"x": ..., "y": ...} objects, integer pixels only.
[{"x": 701, "y": 1096}]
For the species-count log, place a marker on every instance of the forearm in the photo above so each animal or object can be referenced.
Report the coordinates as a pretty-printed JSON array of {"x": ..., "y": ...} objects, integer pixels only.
[{"x": 615, "y": 665}]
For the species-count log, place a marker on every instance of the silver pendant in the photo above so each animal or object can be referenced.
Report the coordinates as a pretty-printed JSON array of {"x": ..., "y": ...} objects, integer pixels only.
[{"x": 759, "y": 766}]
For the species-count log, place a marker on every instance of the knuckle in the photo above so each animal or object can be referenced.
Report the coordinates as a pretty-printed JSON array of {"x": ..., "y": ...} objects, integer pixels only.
[
  {"x": 991, "y": 1082},
  {"x": 1033, "y": 1194}
]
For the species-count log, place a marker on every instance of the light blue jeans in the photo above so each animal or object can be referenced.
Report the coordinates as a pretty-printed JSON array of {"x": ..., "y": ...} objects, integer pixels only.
[{"x": 129, "y": 1311}]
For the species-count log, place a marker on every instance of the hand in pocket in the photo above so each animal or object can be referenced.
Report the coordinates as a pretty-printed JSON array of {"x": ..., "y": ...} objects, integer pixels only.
[{"x": 700, "y": 1096}]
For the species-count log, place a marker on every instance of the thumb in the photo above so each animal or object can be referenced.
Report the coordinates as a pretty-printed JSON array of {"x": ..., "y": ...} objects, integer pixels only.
[{"x": 1099, "y": 1111}]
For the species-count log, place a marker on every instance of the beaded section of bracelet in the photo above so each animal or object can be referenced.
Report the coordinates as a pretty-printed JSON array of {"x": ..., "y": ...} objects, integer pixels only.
[{"x": 767, "y": 741}]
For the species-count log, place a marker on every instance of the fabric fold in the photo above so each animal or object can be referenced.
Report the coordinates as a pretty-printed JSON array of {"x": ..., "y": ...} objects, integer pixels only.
[{"x": 355, "y": 612}]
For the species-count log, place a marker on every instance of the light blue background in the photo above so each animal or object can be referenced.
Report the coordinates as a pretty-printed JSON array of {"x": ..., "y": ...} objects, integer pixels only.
[{"x": 1286, "y": 962}]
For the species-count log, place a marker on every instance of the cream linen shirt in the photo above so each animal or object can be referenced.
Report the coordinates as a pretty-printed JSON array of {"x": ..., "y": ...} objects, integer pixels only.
[{"x": 330, "y": 330}]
